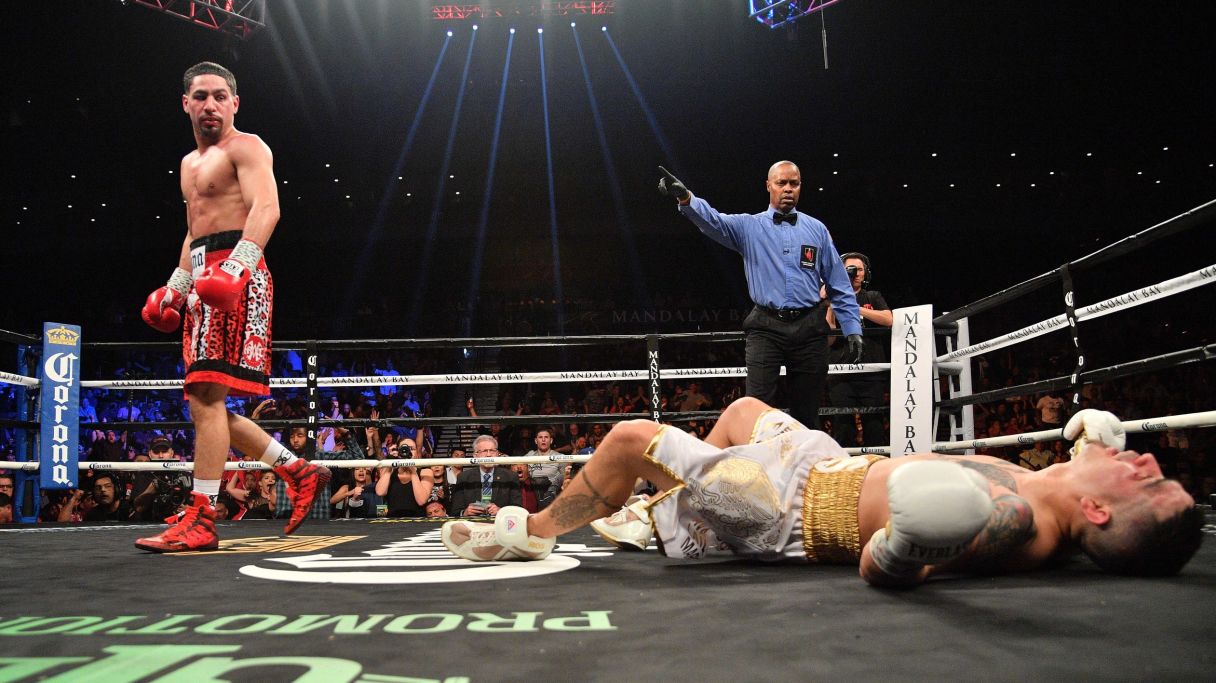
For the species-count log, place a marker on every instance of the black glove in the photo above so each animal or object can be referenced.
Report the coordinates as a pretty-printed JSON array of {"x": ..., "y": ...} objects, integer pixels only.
[
  {"x": 671, "y": 186},
  {"x": 855, "y": 347}
]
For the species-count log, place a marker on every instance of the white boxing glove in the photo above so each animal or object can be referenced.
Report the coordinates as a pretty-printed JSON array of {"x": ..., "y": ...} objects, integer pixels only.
[
  {"x": 937, "y": 508},
  {"x": 1091, "y": 425}
]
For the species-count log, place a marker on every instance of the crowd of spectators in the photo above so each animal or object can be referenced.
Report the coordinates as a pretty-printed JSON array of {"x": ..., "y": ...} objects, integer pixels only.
[{"x": 414, "y": 491}]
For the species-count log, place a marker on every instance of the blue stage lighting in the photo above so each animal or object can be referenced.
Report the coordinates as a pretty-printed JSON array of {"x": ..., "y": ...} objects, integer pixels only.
[
  {"x": 484, "y": 219},
  {"x": 553, "y": 236},
  {"x": 474, "y": 27},
  {"x": 540, "y": 30},
  {"x": 449, "y": 34},
  {"x": 572, "y": 24},
  {"x": 603, "y": 28},
  {"x": 423, "y": 266},
  {"x": 637, "y": 275},
  {"x": 358, "y": 274}
]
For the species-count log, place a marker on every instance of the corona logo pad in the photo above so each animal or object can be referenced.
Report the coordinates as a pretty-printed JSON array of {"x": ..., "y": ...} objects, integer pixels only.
[
  {"x": 59, "y": 409},
  {"x": 62, "y": 336}
]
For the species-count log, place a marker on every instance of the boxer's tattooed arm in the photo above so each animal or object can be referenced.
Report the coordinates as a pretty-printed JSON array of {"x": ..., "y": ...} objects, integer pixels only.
[
  {"x": 575, "y": 508},
  {"x": 1010, "y": 527}
]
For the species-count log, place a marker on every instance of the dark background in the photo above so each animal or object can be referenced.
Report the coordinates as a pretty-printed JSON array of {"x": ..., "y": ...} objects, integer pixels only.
[{"x": 93, "y": 90}]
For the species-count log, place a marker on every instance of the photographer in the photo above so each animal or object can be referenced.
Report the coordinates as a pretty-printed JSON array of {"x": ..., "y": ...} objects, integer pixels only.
[
  {"x": 103, "y": 503},
  {"x": 160, "y": 494},
  {"x": 866, "y": 389}
]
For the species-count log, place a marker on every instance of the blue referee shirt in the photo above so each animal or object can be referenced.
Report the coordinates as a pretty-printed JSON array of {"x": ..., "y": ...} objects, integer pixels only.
[{"x": 784, "y": 264}]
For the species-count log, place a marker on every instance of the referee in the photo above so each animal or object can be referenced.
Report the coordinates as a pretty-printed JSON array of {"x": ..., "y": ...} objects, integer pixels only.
[{"x": 787, "y": 256}]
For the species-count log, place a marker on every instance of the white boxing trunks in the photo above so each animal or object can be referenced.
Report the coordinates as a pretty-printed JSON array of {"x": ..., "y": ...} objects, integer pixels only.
[{"x": 743, "y": 500}]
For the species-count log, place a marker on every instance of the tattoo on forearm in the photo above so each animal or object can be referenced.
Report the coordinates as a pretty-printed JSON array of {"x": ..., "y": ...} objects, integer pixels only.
[{"x": 576, "y": 509}]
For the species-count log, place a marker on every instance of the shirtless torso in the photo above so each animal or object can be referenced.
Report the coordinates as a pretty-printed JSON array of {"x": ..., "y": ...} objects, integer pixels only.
[
  {"x": 1022, "y": 534},
  {"x": 228, "y": 180}
]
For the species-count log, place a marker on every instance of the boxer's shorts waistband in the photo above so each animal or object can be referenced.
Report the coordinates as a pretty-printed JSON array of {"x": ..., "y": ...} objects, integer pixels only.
[{"x": 219, "y": 241}]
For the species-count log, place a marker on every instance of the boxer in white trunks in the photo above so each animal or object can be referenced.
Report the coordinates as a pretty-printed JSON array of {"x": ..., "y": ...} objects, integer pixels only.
[{"x": 761, "y": 485}]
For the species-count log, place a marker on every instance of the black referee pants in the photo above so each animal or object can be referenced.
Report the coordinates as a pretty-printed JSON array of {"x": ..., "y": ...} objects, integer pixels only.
[{"x": 801, "y": 345}]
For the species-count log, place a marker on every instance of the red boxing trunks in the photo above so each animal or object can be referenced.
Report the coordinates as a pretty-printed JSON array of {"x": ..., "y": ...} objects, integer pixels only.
[{"x": 231, "y": 348}]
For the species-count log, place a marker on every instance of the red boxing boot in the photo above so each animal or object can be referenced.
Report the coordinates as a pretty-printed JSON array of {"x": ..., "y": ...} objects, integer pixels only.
[
  {"x": 304, "y": 481},
  {"x": 195, "y": 530}
]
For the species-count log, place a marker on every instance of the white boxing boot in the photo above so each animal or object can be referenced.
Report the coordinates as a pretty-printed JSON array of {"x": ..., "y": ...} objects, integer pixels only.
[{"x": 628, "y": 528}]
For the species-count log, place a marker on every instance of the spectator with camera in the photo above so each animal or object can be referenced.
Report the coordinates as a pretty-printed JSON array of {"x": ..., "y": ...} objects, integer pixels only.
[
  {"x": 160, "y": 494},
  {"x": 861, "y": 390},
  {"x": 405, "y": 490}
]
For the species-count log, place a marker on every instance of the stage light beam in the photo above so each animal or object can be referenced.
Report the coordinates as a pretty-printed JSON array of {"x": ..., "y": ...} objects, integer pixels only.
[
  {"x": 483, "y": 218},
  {"x": 557, "y": 258}
]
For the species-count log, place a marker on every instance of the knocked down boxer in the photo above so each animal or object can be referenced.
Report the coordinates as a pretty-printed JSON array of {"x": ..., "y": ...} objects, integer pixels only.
[{"x": 761, "y": 485}]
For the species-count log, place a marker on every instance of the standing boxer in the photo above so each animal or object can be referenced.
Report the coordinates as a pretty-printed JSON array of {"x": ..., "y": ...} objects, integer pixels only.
[{"x": 232, "y": 206}]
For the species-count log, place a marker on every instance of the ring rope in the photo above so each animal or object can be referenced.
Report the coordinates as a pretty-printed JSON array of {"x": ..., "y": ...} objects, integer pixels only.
[
  {"x": 454, "y": 421},
  {"x": 1177, "y": 285},
  {"x": 10, "y": 378},
  {"x": 1205, "y": 418},
  {"x": 1152, "y": 424},
  {"x": 1152, "y": 363},
  {"x": 1197, "y": 216},
  {"x": 181, "y": 465},
  {"x": 506, "y": 377}
]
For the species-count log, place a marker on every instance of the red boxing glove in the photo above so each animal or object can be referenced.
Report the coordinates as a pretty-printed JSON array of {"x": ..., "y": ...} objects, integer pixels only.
[
  {"x": 221, "y": 285},
  {"x": 161, "y": 310}
]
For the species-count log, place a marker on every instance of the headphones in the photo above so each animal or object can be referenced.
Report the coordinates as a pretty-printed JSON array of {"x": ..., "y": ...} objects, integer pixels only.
[{"x": 865, "y": 282}]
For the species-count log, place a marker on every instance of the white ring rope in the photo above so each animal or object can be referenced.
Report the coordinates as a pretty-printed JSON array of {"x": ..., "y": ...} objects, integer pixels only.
[
  {"x": 1182, "y": 283},
  {"x": 1153, "y": 424},
  {"x": 10, "y": 378},
  {"x": 179, "y": 465},
  {"x": 508, "y": 377}
]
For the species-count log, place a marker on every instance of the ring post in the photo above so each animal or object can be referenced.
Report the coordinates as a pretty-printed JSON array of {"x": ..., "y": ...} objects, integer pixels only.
[
  {"x": 310, "y": 367},
  {"x": 652, "y": 370},
  {"x": 912, "y": 352},
  {"x": 59, "y": 406},
  {"x": 1070, "y": 312}
]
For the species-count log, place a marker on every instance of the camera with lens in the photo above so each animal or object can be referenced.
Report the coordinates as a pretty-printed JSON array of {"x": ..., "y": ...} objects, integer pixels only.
[
  {"x": 172, "y": 492},
  {"x": 851, "y": 270}
]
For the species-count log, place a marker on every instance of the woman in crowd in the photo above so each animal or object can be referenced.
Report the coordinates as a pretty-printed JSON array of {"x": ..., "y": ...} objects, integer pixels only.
[{"x": 405, "y": 491}]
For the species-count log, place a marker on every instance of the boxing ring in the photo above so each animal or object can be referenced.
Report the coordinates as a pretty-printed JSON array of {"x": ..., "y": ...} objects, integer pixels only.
[{"x": 381, "y": 600}]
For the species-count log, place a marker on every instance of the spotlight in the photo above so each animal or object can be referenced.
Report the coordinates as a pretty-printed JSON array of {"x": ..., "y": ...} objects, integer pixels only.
[
  {"x": 540, "y": 30},
  {"x": 512, "y": 30},
  {"x": 449, "y": 34},
  {"x": 474, "y": 27},
  {"x": 603, "y": 28},
  {"x": 572, "y": 24}
]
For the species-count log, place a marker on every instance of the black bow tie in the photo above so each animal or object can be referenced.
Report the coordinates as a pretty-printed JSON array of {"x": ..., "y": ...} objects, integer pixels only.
[{"x": 779, "y": 218}]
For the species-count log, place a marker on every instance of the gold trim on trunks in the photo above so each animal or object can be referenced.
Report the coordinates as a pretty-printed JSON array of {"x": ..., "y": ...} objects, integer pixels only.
[{"x": 830, "y": 530}]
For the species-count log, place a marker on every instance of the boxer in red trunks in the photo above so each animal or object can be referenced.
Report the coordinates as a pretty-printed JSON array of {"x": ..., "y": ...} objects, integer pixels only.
[{"x": 232, "y": 207}]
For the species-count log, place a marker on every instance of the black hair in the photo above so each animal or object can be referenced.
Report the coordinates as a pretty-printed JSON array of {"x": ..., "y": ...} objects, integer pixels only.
[
  {"x": 208, "y": 68},
  {"x": 1146, "y": 547}
]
